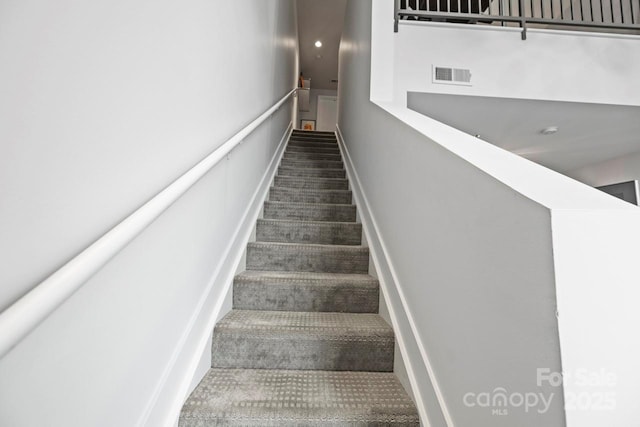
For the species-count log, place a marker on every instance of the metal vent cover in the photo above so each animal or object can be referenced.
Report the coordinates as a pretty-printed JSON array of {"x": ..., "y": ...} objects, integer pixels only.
[
  {"x": 444, "y": 74},
  {"x": 450, "y": 75}
]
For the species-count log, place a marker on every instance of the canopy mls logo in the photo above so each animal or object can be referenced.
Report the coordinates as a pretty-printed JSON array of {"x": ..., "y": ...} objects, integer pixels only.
[
  {"x": 589, "y": 391},
  {"x": 500, "y": 401}
]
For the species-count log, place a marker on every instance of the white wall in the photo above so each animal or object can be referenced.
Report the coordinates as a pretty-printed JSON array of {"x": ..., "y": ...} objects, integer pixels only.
[
  {"x": 476, "y": 255},
  {"x": 327, "y": 116},
  {"x": 596, "y": 259},
  {"x": 481, "y": 326},
  {"x": 620, "y": 169},
  {"x": 104, "y": 104},
  {"x": 312, "y": 114},
  {"x": 581, "y": 67}
]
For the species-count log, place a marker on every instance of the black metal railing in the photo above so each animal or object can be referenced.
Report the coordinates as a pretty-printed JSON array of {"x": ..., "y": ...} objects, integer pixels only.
[{"x": 593, "y": 15}]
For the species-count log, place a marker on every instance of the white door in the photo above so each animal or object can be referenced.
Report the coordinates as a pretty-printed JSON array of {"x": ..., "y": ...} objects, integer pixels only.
[{"x": 327, "y": 113}]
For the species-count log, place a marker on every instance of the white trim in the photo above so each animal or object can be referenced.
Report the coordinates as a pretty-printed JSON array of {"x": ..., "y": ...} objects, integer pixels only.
[
  {"x": 223, "y": 276},
  {"x": 29, "y": 311},
  {"x": 376, "y": 243}
]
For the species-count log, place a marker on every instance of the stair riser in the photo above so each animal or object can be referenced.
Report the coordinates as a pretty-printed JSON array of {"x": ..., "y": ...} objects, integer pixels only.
[
  {"x": 318, "y": 259},
  {"x": 313, "y": 144},
  {"x": 312, "y": 183},
  {"x": 277, "y": 194},
  {"x": 297, "y": 232},
  {"x": 298, "y": 149},
  {"x": 313, "y": 133},
  {"x": 320, "y": 173},
  {"x": 304, "y": 297},
  {"x": 310, "y": 212},
  {"x": 314, "y": 164},
  {"x": 260, "y": 351},
  {"x": 312, "y": 156},
  {"x": 307, "y": 144},
  {"x": 314, "y": 137}
]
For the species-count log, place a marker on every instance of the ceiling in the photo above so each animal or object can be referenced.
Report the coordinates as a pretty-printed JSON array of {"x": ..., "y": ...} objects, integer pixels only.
[
  {"x": 587, "y": 133},
  {"x": 320, "y": 20}
]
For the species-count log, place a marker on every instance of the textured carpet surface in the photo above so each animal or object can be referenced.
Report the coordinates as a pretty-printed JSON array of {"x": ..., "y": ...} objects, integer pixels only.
[
  {"x": 309, "y": 195},
  {"x": 332, "y": 325},
  {"x": 307, "y": 257},
  {"x": 314, "y": 164},
  {"x": 297, "y": 291},
  {"x": 319, "y": 183},
  {"x": 312, "y": 172},
  {"x": 304, "y": 345},
  {"x": 303, "y": 340},
  {"x": 313, "y": 149},
  {"x": 246, "y": 397},
  {"x": 323, "y": 232},
  {"x": 309, "y": 211}
]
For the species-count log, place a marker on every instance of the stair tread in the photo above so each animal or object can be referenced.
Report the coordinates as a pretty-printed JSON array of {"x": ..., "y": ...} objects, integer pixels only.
[
  {"x": 309, "y": 190},
  {"x": 299, "y": 222},
  {"x": 314, "y": 325},
  {"x": 297, "y": 231},
  {"x": 309, "y": 195},
  {"x": 288, "y": 168},
  {"x": 304, "y": 155},
  {"x": 302, "y": 131},
  {"x": 319, "y": 183},
  {"x": 330, "y": 137},
  {"x": 310, "y": 211},
  {"x": 307, "y": 151},
  {"x": 313, "y": 162},
  {"x": 310, "y": 246},
  {"x": 311, "y": 155},
  {"x": 311, "y": 205},
  {"x": 307, "y": 278},
  {"x": 320, "y": 149},
  {"x": 313, "y": 178},
  {"x": 265, "y": 397},
  {"x": 312, "y": 144}
]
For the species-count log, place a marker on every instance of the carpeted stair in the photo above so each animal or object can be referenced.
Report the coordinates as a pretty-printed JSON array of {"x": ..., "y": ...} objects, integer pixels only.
[{"x": 303, "y": 345}]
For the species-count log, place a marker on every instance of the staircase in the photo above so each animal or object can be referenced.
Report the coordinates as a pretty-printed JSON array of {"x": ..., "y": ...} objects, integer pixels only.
[{"x": 303, "y": 344}]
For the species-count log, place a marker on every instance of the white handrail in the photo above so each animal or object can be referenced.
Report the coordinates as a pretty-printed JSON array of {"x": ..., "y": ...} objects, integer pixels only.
[{"x": 30, "y": 310}]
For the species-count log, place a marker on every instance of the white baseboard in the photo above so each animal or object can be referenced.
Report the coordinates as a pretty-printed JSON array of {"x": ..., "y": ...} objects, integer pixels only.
[
  {"x": 185, "y": 365},
  {"x": 402, "y": 321}
]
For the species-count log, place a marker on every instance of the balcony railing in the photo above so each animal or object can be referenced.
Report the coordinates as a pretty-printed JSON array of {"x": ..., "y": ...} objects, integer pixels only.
[{"x": 590, "y": 15}]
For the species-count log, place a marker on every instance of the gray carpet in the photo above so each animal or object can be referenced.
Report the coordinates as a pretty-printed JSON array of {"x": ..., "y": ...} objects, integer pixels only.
[
  {"x": 322, "y": 232},
  {"x": 303, "y": 340},
  {"x": 248, "y": 397},
  {"x": 303, "y": 345},
  {"x": 295, "y": 291}
]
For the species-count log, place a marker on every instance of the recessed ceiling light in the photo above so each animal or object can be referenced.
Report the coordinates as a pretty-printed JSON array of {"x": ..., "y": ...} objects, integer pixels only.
[
  {"x": 318, "y": 43},
  {"x": 550, "y": 130}
]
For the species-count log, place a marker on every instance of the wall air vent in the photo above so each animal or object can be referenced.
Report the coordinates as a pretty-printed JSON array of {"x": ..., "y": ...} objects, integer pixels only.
[{"x": 451, "y": 76}]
